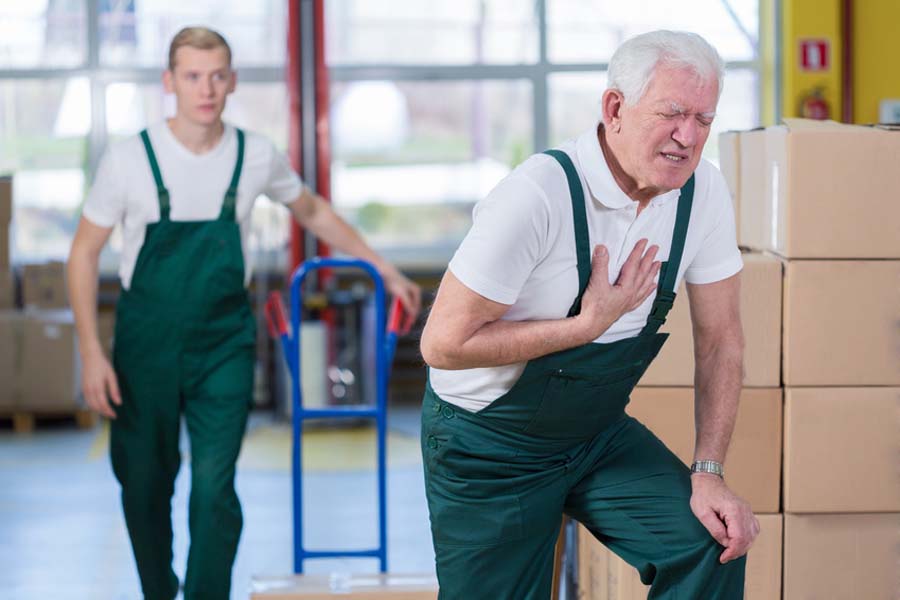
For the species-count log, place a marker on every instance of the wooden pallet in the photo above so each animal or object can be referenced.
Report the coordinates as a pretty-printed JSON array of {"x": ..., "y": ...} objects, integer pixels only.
[{"x": 25, "y": 421}]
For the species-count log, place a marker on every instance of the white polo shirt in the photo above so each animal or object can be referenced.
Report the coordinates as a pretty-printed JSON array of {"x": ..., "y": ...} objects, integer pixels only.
[
  {"x": 521, "y": 249},
  {"x": 124, "y": 190}
]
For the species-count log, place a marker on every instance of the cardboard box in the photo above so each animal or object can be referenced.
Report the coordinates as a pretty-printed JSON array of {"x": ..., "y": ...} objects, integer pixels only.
[
  {"x": 753, "y": 464},
  {"x": 351, "y": 587},
  {"x": 841, "y": 449},
  {"x": 840, "y": 323},
  {"x": 10, "y": 358},
  {"x": 617, "y": 580},
  {"x": 7, "y": 290},
  {"x": 841, "y": 557},
  {"x": 5, "y": 218},
  {"x": 44, "y": 286},
  {"x": 829, "y": 191},
  {"x": 752, "y": 218},
  {"x": 730, "y": 165},
  {"x": 51, "y": 365},
  {"x": 761, "y": 317}
]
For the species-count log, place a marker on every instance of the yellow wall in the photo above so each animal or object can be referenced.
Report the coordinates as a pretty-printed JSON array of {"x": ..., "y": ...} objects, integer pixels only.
[
  {"x": 768, "y": 58},
  {"x": 803, "y": 19},
  {"x": 876, "y": 49}
]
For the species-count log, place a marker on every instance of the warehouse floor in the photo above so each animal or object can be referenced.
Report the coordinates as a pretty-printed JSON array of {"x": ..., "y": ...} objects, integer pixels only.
[{"x": 62, "y": 534}]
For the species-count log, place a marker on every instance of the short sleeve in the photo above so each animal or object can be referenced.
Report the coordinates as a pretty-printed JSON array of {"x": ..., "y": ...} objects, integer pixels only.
[
  {"x": 719, "y": 257},
  {"x": 283, "y": 184},
  {"x": 105, "y": 202},
  {"x": 507, "y": 240}
]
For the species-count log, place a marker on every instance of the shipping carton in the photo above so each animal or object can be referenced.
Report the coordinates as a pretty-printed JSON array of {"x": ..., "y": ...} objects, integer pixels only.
[
  {"x": 349, "y": 587},
  {"x": 11, "y": 323},
  {"x": 761, "y": 318},
  {"x": 617, "y": 580},
  {"x": 5, "y": 218},
  {"x": 730, "y": 165},
  {"x": 753, "y": 464},
  {"x": 841, "y": 557},
  {"x": 51, "y": 366},
  {"x": 752, "y": 218},
  {"x": 841, "y": 449},
  {"x": 841, "y": 323},
  {"x": 44, "y": 286},
  {"x": 829, "y": 190}
]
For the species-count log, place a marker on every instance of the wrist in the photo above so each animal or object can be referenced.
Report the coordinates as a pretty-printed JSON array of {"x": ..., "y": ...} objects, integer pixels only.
[{"x": 708, "y": 467}]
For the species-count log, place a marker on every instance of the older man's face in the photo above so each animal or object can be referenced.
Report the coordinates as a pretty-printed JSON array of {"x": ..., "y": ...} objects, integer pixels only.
[{"x": 664, "y": 133}]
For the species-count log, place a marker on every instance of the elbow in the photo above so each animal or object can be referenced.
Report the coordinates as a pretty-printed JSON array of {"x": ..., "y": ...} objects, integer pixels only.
[{"x": 438, "y": 355}]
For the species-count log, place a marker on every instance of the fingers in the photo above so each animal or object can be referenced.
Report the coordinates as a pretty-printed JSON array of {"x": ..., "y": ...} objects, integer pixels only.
[
  {"x": 742, "y": 530},
  {"x": 600, "y": 266},
  {"x": 630, "y": 267},
  {"x": 112, "y": 386},
  {"x": 714, "y": 525}
]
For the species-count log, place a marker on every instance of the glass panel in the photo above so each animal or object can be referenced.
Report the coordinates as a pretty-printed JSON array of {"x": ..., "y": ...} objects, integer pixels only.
[
  {"x": 575, "y": 105},
  {"x": 138, "y": 33},
  {"x": 42, "y": 33},
  {"x": 591, "y": 30},
  {"x": 436, "y": 32},
  {"x": 43, "y": 143},
  {"x": 407, "y": 170}
]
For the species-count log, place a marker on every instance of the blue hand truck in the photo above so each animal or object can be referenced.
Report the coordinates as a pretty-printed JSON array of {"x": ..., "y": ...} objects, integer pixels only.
[{"x": 386, "y": 343}]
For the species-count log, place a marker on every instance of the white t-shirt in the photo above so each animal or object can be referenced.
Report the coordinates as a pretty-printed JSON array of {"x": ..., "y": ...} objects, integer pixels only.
[
  {"x": 124, "y": 190},
  {"x": 521, "y": 249}
]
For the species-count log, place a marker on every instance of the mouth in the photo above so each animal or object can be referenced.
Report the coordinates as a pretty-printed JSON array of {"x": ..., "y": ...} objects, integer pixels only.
[{"x": 674, "y": 157}]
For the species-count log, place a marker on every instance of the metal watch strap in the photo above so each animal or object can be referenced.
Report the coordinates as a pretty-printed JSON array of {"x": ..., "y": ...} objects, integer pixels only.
[{"x": 708, "y": 466}]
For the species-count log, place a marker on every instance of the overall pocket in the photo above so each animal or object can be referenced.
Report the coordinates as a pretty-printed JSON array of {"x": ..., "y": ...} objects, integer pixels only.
[{"x": 580, "y": 402}]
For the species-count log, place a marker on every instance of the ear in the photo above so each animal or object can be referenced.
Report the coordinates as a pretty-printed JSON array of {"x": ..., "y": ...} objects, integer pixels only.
[
  {"x": 611, "y": 104},
  {"x": 233, "y": 83},
  {"x": 168, "y": 79}
]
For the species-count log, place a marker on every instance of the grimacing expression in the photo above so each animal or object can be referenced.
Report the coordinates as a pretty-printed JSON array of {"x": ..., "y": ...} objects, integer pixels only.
[
  {"x": 664, "y": 132},
  {"x": 201, "y": 81}
]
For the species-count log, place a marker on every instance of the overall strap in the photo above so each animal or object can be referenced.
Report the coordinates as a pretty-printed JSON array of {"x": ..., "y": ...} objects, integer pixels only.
[
  {"x": 579, "y": 214},
  {"x": 161, "y": 192},
  {"x": 668, "y": 272},
  {"x": 228, "y": 212}
]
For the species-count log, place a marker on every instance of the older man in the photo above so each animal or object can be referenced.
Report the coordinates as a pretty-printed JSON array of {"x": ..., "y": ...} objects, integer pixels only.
[{"x": 535, "y": 342}]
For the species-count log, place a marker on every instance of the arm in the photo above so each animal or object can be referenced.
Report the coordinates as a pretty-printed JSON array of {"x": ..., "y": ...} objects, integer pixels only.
[
  {"x": 464, "y": 329},
  {"x": 315, "y": 214},
  {"x": 98, "y": 378},
  {"x": 718, "y": 356}
]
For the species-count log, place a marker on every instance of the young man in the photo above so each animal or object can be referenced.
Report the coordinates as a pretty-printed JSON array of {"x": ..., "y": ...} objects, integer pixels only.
[
  {"x": 535, "y": 343},
  {"x": 183, "y": 191}
]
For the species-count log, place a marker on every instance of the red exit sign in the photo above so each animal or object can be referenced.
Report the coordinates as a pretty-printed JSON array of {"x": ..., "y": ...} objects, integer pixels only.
[{"x": 815, "y": 55}]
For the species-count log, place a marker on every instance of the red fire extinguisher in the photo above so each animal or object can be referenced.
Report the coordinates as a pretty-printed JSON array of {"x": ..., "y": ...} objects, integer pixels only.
[{"x": 814, "y": 106}]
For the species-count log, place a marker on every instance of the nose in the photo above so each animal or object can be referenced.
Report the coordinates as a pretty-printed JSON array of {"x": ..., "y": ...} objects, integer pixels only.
[
  {"x": 686, "y": 131},
  {"x": 208, "y": 89}
]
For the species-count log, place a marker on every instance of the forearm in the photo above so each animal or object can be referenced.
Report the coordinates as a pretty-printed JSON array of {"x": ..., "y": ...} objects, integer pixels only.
[
  {"x": 502, "y": 343},
  {"x": 717, "y": 388},
  {"x": 82, "y": 283}
]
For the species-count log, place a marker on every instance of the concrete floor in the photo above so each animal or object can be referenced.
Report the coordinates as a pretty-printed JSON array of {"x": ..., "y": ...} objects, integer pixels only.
[{"x": 63, "y": 537}]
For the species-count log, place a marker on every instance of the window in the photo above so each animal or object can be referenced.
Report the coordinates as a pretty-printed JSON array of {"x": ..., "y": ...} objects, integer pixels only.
[
  {"x": 53, "y": 93},
  {"x": 433, "y": 103}
]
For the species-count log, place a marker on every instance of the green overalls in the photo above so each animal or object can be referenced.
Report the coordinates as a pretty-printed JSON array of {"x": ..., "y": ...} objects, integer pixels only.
[
  {"x": 184, "y": 343},
  {"x": 499, "y": 480}
]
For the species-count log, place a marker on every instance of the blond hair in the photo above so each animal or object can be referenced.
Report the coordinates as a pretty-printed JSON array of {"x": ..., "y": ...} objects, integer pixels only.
[{"x": 201, "y": 38}]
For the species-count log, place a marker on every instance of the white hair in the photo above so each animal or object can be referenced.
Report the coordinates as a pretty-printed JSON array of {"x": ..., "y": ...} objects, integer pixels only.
[{"x": 633, "y": 64}]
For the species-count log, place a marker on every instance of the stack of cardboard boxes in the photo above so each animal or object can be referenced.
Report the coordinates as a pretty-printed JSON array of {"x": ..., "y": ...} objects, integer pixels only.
[
  {"x": 818, "y": 207},
  {"x": 39, "y": 367}
]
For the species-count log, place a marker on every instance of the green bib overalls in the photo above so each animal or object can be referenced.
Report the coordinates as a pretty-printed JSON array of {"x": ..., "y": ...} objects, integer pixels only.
[
  {"x": 559, "y": 441},
  {"x": 184, "y": 344}
]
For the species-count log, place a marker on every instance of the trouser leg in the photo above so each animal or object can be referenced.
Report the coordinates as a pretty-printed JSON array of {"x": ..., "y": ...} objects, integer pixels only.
[
  {"x": 145, "y": 460},
  {"x": 634, "y": 496},
  {"x": 216, "y": 409}
]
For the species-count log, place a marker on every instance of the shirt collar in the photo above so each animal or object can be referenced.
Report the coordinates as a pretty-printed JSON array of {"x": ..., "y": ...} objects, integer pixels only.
[{"x": 600, "y": 181}]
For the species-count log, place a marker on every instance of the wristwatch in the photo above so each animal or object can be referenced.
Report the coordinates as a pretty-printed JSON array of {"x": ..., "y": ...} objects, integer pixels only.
[{"x": 708, "y": 466}]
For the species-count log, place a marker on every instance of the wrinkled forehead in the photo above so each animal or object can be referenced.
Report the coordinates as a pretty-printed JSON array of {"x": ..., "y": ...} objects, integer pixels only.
[{"x": 681, "y": 90}]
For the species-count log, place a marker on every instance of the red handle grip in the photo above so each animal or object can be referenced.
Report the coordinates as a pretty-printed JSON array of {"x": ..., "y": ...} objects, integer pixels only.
[
  {"x": 275, "y": 316},
  {"x": 398, "y": 321}
]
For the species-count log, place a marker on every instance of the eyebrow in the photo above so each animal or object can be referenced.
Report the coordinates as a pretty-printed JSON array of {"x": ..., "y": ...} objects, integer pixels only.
[{"x": 678, "y": 109}]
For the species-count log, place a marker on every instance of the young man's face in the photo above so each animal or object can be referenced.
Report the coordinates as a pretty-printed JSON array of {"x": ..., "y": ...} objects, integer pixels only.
[
  {"x": 201, "y": 81},
  {"x": 663, "y": 134}
]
